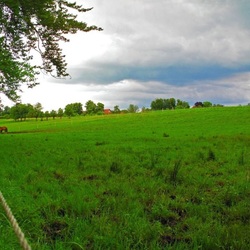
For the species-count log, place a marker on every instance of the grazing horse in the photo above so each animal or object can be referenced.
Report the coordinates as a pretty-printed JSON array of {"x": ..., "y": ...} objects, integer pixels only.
[{"x": 5, "y": 129}]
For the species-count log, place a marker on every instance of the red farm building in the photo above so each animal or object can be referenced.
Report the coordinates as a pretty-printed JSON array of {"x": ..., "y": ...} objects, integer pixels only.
[{"x": 107, "y": 111}]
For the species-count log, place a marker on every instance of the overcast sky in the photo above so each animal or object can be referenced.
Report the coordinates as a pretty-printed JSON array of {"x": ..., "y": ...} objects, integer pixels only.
[{"x": 194, "y": 50}]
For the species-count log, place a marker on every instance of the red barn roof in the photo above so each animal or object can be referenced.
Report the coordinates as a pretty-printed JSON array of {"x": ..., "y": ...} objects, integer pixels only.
[{"x": 107, "y": 111}]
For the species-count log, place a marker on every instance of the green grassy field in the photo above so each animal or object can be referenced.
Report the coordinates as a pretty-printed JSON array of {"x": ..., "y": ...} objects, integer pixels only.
[{"x": 160, "y": 180}]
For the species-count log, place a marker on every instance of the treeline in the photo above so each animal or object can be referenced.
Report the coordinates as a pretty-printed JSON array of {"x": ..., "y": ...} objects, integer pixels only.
[
  {"x": 171, "y": 103},
  {"x": 23, "y": 111}
]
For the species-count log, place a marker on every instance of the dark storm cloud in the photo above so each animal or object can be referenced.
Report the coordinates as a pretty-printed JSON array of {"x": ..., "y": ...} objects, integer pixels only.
[{"x": 176, "y": 74}]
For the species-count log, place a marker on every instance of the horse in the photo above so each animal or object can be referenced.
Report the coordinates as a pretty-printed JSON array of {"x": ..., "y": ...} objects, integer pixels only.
[{"x": 5, "y": 129}]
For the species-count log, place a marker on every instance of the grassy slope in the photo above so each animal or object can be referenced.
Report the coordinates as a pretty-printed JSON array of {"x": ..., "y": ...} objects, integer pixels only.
[{"x": 176, "y": 179}]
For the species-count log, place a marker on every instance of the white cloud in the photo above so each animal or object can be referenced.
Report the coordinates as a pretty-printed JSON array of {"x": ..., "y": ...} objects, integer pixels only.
[{"x": 170, "y": 31}]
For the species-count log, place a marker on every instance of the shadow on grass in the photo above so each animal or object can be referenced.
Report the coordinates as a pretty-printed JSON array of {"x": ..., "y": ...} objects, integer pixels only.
[{"x": 30, "y": 132}]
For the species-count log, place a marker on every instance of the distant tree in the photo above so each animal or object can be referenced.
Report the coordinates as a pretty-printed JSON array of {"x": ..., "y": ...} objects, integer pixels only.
[
  {"x": 41, "y": 115},
  {"x": 132, "y": 108},
  {"x": 218, "y": 105},
  {"x": 38, "y": 106},
  {"x": 124, "y": 111},
  {"x": 5, "y": 111},
  {"x": 166, "y": 104},
  {"x": 24, "y": 110},
  {"x": 99, "y": 108},
  {"x": 172, "y": 103},
  {"x": 77, "y": 108},
  {"x": 198, "y": 105},
  {"x": 69, "y": 110},
  {"x": 14, "y": 112},
  {"x": 207, "y": 104},
  {"x": 73, "y": 109},
  {"x": 117, "y": 109},
  {"x": 19, "y": 111},
  {"x": 32, "y": 112},
  {"x": 37, "y": 109},
  {"x": 182, "y": 104},
  {"x": 146, "y": 109},
  {"x": 157, "y": 104},
  {"x": 60, "y": 113},
  {"x": 53, "y": 114},
  {"x": 162, "y": 104},
  {"x": 1, "y": 106},
  {"x": 47, "y": 114},
  {"x": 90, "y": 107}
]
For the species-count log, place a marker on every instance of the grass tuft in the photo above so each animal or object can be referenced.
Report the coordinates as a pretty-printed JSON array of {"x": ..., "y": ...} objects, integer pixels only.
[{"x": 173, "y": 174}]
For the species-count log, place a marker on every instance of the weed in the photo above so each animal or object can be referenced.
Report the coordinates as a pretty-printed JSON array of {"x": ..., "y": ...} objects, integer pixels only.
[
  {"x": 115, "y": 168},
  {"x": 241, "y": 160},
  {"x": 165, "y": 135},
  {"x": 154, "y": 160},
  {"x": 211, "y": 155},
  {"x": 174, "y": 172},
  {"x": 56, "y": 230},
  {"x": 80, "y": 163},
  {"x": 100, "y": 143}
]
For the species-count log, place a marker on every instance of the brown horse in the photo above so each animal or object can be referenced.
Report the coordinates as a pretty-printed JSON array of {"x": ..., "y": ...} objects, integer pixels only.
[{"x": 5, "y": 129}]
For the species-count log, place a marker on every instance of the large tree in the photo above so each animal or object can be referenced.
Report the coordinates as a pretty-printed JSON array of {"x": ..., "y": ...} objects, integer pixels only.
[
  {"x": 73, "y": 109},
  {"x": 132, "y": 108},
  {"x": 90, "y": 107},
  {"x": 37, "y": 25},
  {"x": 19, "y": 111}
]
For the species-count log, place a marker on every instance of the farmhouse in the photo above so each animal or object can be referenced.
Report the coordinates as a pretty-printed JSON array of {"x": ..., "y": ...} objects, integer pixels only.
[{"x": 107, "y": 111}]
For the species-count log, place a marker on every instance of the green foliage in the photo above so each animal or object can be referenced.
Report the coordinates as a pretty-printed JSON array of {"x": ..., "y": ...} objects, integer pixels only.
[
  {"x": 92, "y": 108},
  {"x": 198, "y": 105},
  {"x": 99, "y": 108},
  {"x": 132, "y": 108},
  {"x": 207, "y": 104},
  {"x": 174, "y": 172},
  {"x": 117, "y": 109},
  {"x": 4, "y": 111},
  {"x": 162, "y": 104},
  {"x": 40, "y": 26},
  {"x": 73, "y": 109},
  {"x": 12, "y": 70},
  {"x": 60, "y": 112},
  {"x": 22, "y": 111},
  {"x": 182, "y": 104},
  {"x": 19, "y": 111},
  {"x": 114, "y": 182},
  {"x": 47, "y": 114},
  {"x": 53, "y": 114}
]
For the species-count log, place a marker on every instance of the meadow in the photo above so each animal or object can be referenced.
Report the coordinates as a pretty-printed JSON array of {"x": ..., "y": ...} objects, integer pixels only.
[{"x": 176, "y": 179}]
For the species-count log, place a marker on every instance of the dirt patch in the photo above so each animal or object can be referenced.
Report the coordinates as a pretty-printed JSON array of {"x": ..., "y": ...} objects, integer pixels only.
[
  {"x": 170, "y": 239},
  {"x": 31, "y": 131},
  {"x": 89, "y": 177},
  {"x": 56, "y": 229}
]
